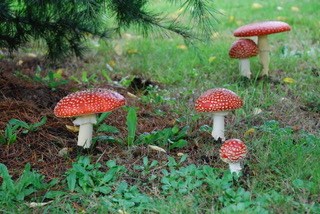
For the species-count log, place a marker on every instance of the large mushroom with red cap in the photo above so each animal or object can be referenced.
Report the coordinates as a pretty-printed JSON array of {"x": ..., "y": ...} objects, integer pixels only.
[
  {"x": 233, "y": 151},
  {"x": 262, "y": 30},
  {"x": 219, "y": 101},
  {"x": 243, "y": 49},
  {"x": 85, "y": 105}
]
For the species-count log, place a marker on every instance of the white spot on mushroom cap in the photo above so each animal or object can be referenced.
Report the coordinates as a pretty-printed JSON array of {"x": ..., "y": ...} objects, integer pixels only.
[
  {"x": 218, "y": 99},
  {"x": 88, "y": 102}
]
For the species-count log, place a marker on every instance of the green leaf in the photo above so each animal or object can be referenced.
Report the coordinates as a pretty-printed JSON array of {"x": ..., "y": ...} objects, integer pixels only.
[
  {"x": 178, "y": 144},
  {"x": 102, "y": 117},
  {"x": 7, "y": 183},
  {"x": 38, "y": 124},
  {"x": 107, "y": 128},
  {"x": 131, "y": 124},
  {"x": 19, "y": 123},
  {"x": 84, "y": 77},
  {"x": 104, "y": 189},
  {"x": 71, "y": 180},
  {"x": 175, "y": 130},
  {"x": 106, "y": 139},
  {"x": 54, "y": 194}
]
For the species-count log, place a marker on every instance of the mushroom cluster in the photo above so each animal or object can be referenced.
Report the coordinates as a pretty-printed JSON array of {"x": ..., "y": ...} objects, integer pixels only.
[
  {"x": 262, "y": 30},
  {"x": 220, "y": 101}
]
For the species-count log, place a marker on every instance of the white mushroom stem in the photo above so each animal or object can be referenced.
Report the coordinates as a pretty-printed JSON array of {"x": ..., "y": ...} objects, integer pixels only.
[
  {"x": 244, "y": 67},
  {"x": 85, "y": 130},
  {"x": 218, "y": 125},
  {"x": 264, "y": 50},
  {"x": 235, "y": 167}
]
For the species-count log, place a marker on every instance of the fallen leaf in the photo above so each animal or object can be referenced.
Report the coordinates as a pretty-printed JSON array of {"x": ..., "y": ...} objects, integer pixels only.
[
  {"x": 112, "y": 63},
  {"x": 118, "y": 48},
  {"x": 182, "y": 47},
  {"x": 109, "y": 67},
  {"x": 32, "y": 55},
  {"x": 59, "y": 71},
  {"x": 131, "y": 95},
  {"x": 279, "y": 8},
  {"x": 231, "y": 18},
  {"x": 288, "y": 80},
  {"x": 256, "y": 6},
  {"x": 239, "y": 22},
  {"x": 179, "y": 154},
  {"x": 212, "y": 58},
  {"x": 295, "y": 9},
  {"x": 20, "y": 62},
  {"x": 72, "y": 128},
  {"x": 132, "y": 51},
  {"x": 63, "y": 152},
  {"x": 250, "y": 131},
  {"x": 281, "y": 18},
  {"x": 122, "y": 211},
  {"x": 257, "y": 111},
  {"x": 215, "y": 35},
  {"x": 157, "y": 148},
  {"x": 34, "y": 204}
]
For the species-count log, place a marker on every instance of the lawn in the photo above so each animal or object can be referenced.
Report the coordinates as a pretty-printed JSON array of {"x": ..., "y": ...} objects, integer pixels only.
[{"x": 157, "y": 155}]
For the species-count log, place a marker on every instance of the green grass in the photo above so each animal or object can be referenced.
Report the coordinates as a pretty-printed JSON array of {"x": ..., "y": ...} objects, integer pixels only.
[{"x": 284, "y": 162}]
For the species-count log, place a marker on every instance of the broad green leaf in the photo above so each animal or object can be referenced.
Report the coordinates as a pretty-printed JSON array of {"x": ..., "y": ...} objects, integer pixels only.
[{"x": 71, "y": 180}]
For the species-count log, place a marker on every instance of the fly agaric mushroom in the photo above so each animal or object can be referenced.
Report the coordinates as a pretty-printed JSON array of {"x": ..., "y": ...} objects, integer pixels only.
[
  {"x": 219, "y": 101},
  {"x": 85, "y": 105},
  {"x": 243, "y": 49},
  {"x": 262, "y": 30},
  {"x": 233, "y": 151}
]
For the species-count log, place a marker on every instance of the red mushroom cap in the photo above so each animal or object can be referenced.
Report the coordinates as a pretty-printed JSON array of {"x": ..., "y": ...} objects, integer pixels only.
[
  {"x": 218, "y": 99},
  {"x": 261, "y": 28},
  {"x": 87, "y": 102},
  {"x": 243, "y": 48},
  {"x": 233, "y": 151}
]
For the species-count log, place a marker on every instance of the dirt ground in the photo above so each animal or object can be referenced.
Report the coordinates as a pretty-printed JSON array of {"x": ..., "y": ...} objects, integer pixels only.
[{"x": 29, "y": 101}]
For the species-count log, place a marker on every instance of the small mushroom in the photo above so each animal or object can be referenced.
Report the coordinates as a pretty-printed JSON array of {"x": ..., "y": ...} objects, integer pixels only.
[
  {"x": 262, "y": 30},
  {"x": 243, "y": 49},
  {"x": 219, "y": 101},
  {"x": 233, "y": 151},
  {"x": 85, "y": 105}
]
